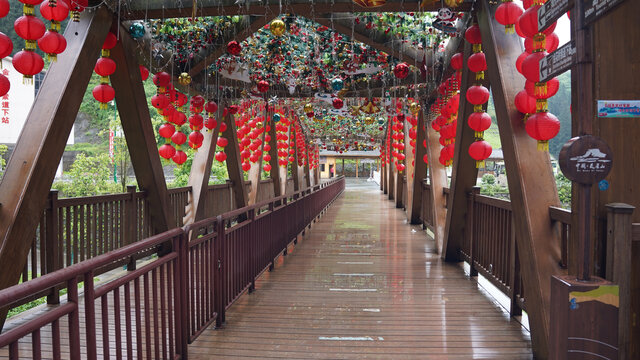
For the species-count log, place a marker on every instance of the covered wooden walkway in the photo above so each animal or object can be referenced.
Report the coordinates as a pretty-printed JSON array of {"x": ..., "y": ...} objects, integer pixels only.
[{"x": 363, "y": 284}]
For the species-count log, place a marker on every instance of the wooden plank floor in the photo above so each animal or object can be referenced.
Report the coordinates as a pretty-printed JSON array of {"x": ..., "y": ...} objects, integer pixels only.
[{"x": 364, "y": 284}]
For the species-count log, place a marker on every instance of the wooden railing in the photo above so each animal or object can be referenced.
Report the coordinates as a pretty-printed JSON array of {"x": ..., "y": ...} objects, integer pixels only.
[
  {"x": 426, "y": 210},
  {"x": 154, "y": 311}
]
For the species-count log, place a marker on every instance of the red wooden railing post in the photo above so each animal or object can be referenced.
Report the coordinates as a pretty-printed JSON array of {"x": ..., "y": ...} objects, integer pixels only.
[
  {"x": 255, "y": 245},
  {"x": 52, "y": 244},
  {"x": 181, "y": 287},
  {"x": 471, "y": 229}
]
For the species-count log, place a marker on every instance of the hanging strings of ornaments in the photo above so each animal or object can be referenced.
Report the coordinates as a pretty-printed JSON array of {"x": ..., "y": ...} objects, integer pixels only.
[
  {"x": 478, "y": 95},
  {"x": 540, "y": 124},
  {"x": 398, "y": 138},
  {"x": 52, "y": 42},
  {"x": 30, "y": 28},
  {"x": 105, "y": 67},
  {"x": 412, "y": 119},
  {"x": 446, "y": 123},
  {"x": 6, "y": 47}
]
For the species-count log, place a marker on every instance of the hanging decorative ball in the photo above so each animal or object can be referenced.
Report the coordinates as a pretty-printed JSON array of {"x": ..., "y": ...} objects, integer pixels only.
[
  {"x": 542, "y": 126},
  {"x": 103, "y": 93},
  {"x": 166, "y": 130},
  {"x": 184, "y": 79},
  {"x": 180, "y": 157},
  {"x": 136, "y": 30},
  {"x": 6, "y": 45},
  {"x": 4, "y": 8},
  {"x": 338, "y": 103},
  {"x": 401, "y": 70},
  {"x": 144, "y": 73},
  {"x": 167, "y": 151},
  {"x": 263, "y": 86},
  {"x": 479, "y": 151},
  {"x": 5, "y": 85},
  {"x": 179, "y": 138},
  {"x": 234, "y": 48},
  {"x": 414, "y": 108},
  {"x": 55, "y": 12},
  {"x": 52, "y": 44},
  {"x": 277, "y": 27},
  {"x": 507, "y": 14},
  {"x": 221, "y": 156},
  {"x": 162, "y": 81},
  {"x": 308, "y": 108},
  {"x": 368, "y": 120},
  {"x": 337, "y": 84},
  {"x": 28, "y": 63},
  {"x": 457, "y": 60},
  {"x": 211, "y": 107},
  {"x": 477, "y": 62}
]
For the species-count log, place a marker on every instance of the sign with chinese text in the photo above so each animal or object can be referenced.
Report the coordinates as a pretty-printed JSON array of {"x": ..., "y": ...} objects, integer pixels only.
[
  {"x": 594, "y": 9},
  {"x": 618, "y": 108},
  {"x": 586, "y": 159},
  {"x": 15, "y": 105},
  {"x": 557, "y": 62},
  {"x": 551, "y": 11}
]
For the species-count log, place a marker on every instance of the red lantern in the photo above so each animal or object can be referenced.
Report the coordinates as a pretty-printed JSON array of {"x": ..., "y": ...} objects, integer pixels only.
[
  {"x": 4, "y": 8},
  {"x": 222, "y": 142},
  {"x": 221, "y": 156},
  {"x": 472, "y": 35},
  {"x": 234, "y": 48},
  {"x": 246, "y": 166},
  {"x": 529, "y": 23},
  {"x": 76, "y": 7},
  {"x": 211, "y": 107},
  {"x": 180, "y": 157},
  {"x": 267, "y": 167},
  {"x": 338, "y": 103},
  {"x": 29, "y": 28},
  {"x": 551, "y": 43},
  {"x": 196, "y": 122},
  {"x": 178, "y": 118},
  {"x": 103, "y": 93},
  {"x": 524, "y": 103},
  {"x": 195, "y": 139},
  {"x": 54, "y": 11},
  {"x": 166, "y": 130},
  {"x": 110, "y": 41},
  {"x": 28, "y": 63},
  {"x": 477, "y": 95},
  {"x": 457, "y": 60},
  {"x": 105, "y": 67},
  {"x": 477, "y": 63},
  {"x": 263, "y": 86},
  {"x": 401, "y": 70},
  {"x": 162, "y": 81},
  {"x": 520, "y": 60},
  {"x": 507, "y": 14},
  {"x": 5, "y": 85},
  {"x": 197, "y": 102},
  {"x": 479, "y": 122},
  {"x": 479, "y": 151},
  {"x": 531, "y": 66},
  {"x": 542, "y": 126},
  {"x": 553, "y": 85},
  {"x": 6, "y": 46},
  {"x": 179, "y": 138},
  {"x": 167, "y": 151},
  {"x": 159, "y": 101},
  {"x": 210, "y": 123},
  {"x": 144, "y": 73}
]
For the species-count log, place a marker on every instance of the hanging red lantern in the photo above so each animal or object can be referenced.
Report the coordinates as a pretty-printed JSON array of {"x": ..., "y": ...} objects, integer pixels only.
[
  {"x": 28, "y": 63},
  {"x": 531, "y": 71},
  {"x": 6, "y": 46},
  {"x": 195, "y": 139},
  {"x": 480, "y": 151},
  {"x": 52, "y": 44},
  {"x": 159, "y": 101},
  {"x": 551, "y": 43},
  {"x": 105, "y": 67},
  {"x": 166, "y": 130},
  {"x": 167, "y": 151},
  {"x": 477, "y": 95},
  {"x": 211, "y": 107},
  {"x": 29, "y": 28},
  {"x": 77, "y": 7},
  {"x": 520, "y": 60},
  {"x": 246, "y": 166},
  {"x": 197, "y": 102},
  {"x": 401, "y": 70},
  {"x": 162, "y": 81},
  {"x": 5, "y": 85},
  {"x": 196, "y": 122},
  {"x": 180, "y": 157},
  {"x": 54, "y": 11},
  {"x": 478, "y": 64},
  {"x": 221, "y": 156},
  {"x": 144, "y": 73},
  {"x": 457, "y": 61},
  {"x": 103, "y": 93},
  {"x": 178, "y": 118},
  {"x": 222, "y": 142},
  {"x": 4, "y": 8},
  {"x": 234, "y": 48},
  {"x": 507, "y": 14},
  {"x": 338, "y": 103},
  {"x": 542, "y": 126},
  {"x": 479, "y": 122},
  {"x": 524, "y": 103},
  {"x": 474, "y": 37},
  {"x": 263, "y": 86},
  {"x": 267, "y": 167},
  {"x": 179, "y": 138},
  {"x": 529, "y": 23}
]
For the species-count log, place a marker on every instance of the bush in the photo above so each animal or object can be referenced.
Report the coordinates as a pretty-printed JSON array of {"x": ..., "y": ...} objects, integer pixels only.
[{"x": 89, "y": 175}]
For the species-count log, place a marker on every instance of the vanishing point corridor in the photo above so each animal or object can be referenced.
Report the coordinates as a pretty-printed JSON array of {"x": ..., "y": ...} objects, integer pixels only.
[{"x": 364, "y": 284}]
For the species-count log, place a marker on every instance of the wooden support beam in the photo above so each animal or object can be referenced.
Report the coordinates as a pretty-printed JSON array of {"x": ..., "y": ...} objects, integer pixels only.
[
  {"x": 301, "y": 9},
  {"x": 420, "y": 171},
  {"x": 33, "y": 163},
  {"x": 438, "y": 181},
  {"x": 201, "y": 172},
  {"x": 464, "y": 173},
  {"x": 132, "y": 106},
  {"x": 365, "y": 39},
  {"x": 255, "y": 23},
  {"x": 531, "y": 181},
  {"x": 234, "y": 165}
]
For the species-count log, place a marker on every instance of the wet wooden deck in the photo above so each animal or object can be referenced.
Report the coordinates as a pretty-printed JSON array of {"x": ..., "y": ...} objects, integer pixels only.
[{"x": 364, "y": 284}]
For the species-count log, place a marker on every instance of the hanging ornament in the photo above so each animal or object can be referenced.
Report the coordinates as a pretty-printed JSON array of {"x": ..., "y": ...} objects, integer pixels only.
[
  {"x": 77, "y": 7},
  {"x": 337, "y": 103},
  {"x": 277, "y": 27},
  {"x": 162, "y": 80},
  {"x": 4, "y": 8},
  {"x": 180, "y": 157},
  {"x": 480, "y": 150},
  {"x": 401, "y": 70},
  {"x": 263, "y": 86},
  {"x": 6, "y": 46},
  {"x": 184, "y": 79},
  {"x": 136, "y": 30},
  {"x": 234, "y": 48},
  {"x": 445, "y": 21},
  {"x": 337, "y": 84},
  {"x": 144, "y": 73},
  {"x": 54, "y": 11},
  {"x": 105, "y": 67},
  {"x": 542, "y": 126},
  {"x": 5, "y": 85},
  {"x": 507, "y": 14}
]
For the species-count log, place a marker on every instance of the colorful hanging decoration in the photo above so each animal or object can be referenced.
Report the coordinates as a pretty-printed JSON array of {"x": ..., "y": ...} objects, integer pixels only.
[
  {"x": 105, "y": 67},
  {"x": 507, "y": 14},
  {"x": 30, "y": 28}
]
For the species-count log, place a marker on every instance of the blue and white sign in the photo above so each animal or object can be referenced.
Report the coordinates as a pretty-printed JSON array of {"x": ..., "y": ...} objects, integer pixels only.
[{"x": 618, "y": 108}]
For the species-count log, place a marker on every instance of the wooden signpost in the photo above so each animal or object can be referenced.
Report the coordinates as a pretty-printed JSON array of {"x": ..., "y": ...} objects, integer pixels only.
[
  {"x": 551, "y": 11},
  {"x": 558, "y": 61},
  {"x": 594, "y": 9}
]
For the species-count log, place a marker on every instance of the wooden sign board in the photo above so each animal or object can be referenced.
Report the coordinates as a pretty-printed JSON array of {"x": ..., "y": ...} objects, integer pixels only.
[
  {"x": 551, "y": 11},
  {"x": 558, "y": 61},
  {"x": 594, "y": 9},
  {"x": 586, "y": 159}
]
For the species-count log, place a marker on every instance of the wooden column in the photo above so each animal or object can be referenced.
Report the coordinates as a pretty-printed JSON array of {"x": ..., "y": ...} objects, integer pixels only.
[
  {"x": 234, "y": 165},
  {"x": 464, "y": 173},
  {"x": 531, "y": 181},
  {"x": 438, "y": 181},
  {"x": 201, "y": 172},
  {"x": 132, "y": 106},
  {"x": 420, "y": 172}
]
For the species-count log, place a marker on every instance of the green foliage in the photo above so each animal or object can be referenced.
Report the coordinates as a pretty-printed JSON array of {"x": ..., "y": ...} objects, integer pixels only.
[
  {"x": 564, "y": 190},
  {"x": 489, "y": 187},
  {"x": 89, "y": 149},
  {"x": 90, "y": 175},
  {"x": 3, "y": 162},
  {"x": 559, "y": 106}
]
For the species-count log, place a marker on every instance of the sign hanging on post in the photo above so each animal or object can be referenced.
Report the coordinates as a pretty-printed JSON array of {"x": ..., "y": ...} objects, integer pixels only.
[
  {"x": 594, "y": 9},
  {"x": 586, "y": 159},
  {"x": 618, "y": 108},
  {"x": 551, "y": 11},
  {"x": 558, "y": 61}
]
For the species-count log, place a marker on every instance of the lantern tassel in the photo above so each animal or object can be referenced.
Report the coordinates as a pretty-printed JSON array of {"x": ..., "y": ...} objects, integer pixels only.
[
  {"x": 479, "y": 164},
  {"x": 28, "y": 10},
  {"x": 540, "y": 89},
  {"x": 543, "y": 145},
  {"x": 539, "y": 42},
  {"x": 479, "y": 135},
  {"x": 106, "y": 52},
  {"x": 541, "y": 105},
  {"x": 509, "y": 29},
  {"x": 477, "y": 108},
  {"x": 480, "y": 75},
  {"x": 103, "y": 106},
  {"x": 477, "y": 48}
]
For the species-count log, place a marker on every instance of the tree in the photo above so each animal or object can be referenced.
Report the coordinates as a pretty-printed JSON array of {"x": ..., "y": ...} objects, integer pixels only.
[
  {"x": 90, "y": 175},
  {"x": 564, "y": 190},
  {"x": 3, "y": 162}
]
